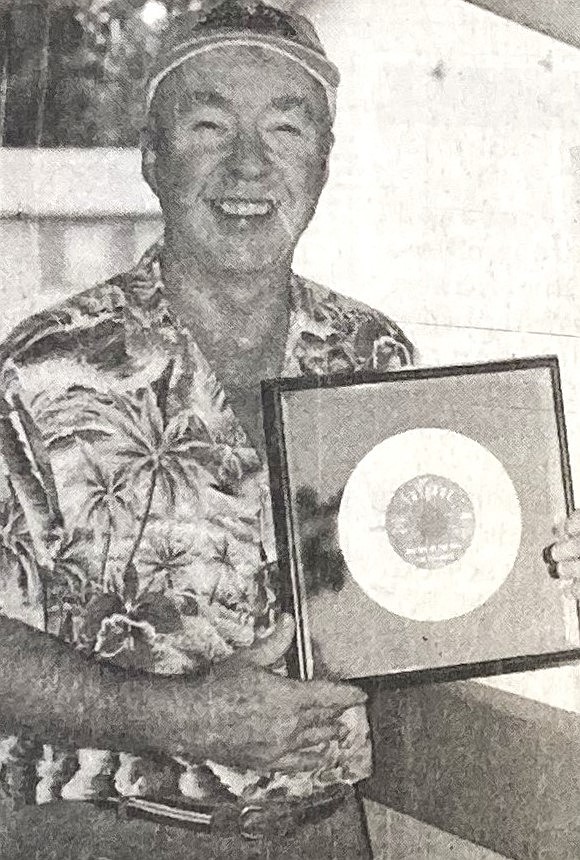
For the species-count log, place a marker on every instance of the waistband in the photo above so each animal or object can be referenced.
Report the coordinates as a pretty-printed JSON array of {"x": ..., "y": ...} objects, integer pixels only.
[{"x": 252, "y": 821}]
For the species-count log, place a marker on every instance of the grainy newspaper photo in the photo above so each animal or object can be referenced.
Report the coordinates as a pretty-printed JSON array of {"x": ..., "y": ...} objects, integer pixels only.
[{"x": 289, "y": 428}]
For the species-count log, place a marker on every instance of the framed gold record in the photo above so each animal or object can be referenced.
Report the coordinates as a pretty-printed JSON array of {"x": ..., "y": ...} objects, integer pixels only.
[{"x": 411, "y": 511}]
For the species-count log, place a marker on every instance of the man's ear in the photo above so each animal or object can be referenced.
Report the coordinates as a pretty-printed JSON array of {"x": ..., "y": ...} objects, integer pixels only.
[
  {"x": 328, "y": 153},
  {"x": 148, "y": 163}
]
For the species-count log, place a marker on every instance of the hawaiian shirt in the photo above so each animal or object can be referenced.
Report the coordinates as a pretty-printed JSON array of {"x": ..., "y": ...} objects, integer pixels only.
[{"x": 165, "y": 558}]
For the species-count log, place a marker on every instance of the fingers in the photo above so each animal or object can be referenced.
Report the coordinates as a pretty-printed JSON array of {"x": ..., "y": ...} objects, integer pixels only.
[
  {"x": 569, "y": 569},
  {"x": 329, "y": 696},
  {"x": 566, "y": 550},
  {"x": 299, "y": 761},
  {"x": 266, "y": 652},
  {"x": 563, "y": 556},
  {"x": 567, "y": 527},
  {"x": 569, "y": 577},
  {"x": 572, "y": 524},
  {"x": 313, "y": 736}
]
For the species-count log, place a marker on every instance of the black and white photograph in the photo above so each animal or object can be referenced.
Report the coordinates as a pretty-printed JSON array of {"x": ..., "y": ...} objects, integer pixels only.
[{"x": 289, "y": 430}]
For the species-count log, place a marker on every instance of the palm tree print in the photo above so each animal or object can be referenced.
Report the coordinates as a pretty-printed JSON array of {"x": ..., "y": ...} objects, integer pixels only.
[
  {"x": 166, "y": 554},
  {"x": 167, "y": 453},
  {"x": 16, "y": 547},
  {"x": 107, "y": 496},
  {"x": 71, "y": 586}
]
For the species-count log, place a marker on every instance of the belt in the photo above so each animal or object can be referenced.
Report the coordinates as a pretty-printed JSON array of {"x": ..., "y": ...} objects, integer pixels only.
[{"x": 252, "y": 820}]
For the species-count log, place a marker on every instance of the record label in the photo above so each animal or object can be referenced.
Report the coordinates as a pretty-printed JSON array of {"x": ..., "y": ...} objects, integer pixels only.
[
  {"x": 429, "y": 524},
  {"x": 430, "y": 521}
]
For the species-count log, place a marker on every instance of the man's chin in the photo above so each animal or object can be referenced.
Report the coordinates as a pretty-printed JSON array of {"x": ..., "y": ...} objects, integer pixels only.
[
  {"x": 245, "y": 254},
  {"x": 239, "y": 263}
]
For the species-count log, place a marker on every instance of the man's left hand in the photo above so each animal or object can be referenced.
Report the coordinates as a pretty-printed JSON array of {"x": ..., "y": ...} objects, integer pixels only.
[{"x": 563, "y": 556}]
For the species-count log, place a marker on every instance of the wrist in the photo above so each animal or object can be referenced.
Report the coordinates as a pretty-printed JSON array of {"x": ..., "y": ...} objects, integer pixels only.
[{"x": 164, "y": 715}]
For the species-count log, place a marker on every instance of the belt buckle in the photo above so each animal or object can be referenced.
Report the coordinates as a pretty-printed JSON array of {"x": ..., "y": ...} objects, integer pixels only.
[{"x": 245, "y": 814}]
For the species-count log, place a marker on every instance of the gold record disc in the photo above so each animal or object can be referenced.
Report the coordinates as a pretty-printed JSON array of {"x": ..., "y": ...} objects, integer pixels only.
[{"x": 429, "y": 524}]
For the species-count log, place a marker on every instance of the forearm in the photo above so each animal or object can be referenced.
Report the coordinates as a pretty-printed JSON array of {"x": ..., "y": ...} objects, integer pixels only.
[{"x": 62, "y": 697}]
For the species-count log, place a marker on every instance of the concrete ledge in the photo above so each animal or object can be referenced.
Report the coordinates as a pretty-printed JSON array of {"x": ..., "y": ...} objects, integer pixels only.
[
  {"x": 73, "y": 183},
  {"x": 489, "y": 766}
]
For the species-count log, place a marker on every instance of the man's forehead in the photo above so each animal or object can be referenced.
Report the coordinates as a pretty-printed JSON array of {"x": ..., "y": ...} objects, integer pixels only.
[{"x": 219, "y": 76}]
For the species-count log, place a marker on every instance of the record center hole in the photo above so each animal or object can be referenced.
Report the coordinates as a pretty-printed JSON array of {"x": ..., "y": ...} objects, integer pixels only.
[{"x": 432, "y": 524}]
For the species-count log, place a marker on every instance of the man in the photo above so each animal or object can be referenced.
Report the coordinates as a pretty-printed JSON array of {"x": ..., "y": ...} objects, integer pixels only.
[
  {"x": 136, "y": 520},
  {"x": 153, "y": 521}
]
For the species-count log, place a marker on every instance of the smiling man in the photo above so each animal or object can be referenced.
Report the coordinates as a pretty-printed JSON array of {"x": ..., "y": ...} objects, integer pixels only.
[{"x": 138, "y": 595}]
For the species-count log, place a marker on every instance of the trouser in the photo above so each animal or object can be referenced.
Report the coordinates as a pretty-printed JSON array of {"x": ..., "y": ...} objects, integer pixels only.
[{"x": 67, "y": 830}]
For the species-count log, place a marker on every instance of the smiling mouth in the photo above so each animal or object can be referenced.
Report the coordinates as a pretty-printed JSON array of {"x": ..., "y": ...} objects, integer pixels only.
[{"x": 235, "y": 207}]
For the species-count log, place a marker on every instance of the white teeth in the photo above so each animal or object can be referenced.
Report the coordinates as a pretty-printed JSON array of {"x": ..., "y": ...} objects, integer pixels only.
[{"x": 245, "y": 208}]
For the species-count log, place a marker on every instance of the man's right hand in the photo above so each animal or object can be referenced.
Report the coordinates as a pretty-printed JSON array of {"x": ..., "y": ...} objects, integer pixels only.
[
  {"x": 242, "y": 715},
  {"x": 252, "y": 719}
]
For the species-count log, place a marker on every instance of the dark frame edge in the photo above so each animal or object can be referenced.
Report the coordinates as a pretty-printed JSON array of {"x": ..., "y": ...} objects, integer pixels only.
[
  {"x": 360, "y": 377},
  {"x": 291, "y": 599}
]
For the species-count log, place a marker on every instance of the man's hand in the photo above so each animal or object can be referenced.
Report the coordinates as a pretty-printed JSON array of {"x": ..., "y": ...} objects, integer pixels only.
[
  {"x": 265, "y": 722},
  {"x": 563, "y": 556},
  {"x": 242, "y": 715},
  {"x": 260, "y": 721}
]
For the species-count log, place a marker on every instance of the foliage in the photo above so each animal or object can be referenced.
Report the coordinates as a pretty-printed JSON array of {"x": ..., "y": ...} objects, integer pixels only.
[
  {"x": 95, "y": 61},
  {"x": 16, "y": 548},
  {"x": 166, "y": 553},
  {"x": 173, "y": 452},
  {"x": 106, "y": 490}
]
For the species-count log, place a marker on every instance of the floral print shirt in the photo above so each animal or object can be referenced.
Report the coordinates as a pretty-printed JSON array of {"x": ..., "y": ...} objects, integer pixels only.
[{"x": 165, "y": 557}]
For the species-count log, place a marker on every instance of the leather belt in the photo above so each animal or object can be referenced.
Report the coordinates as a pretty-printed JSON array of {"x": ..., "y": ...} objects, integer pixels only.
[{"x": 252, "y": 820}]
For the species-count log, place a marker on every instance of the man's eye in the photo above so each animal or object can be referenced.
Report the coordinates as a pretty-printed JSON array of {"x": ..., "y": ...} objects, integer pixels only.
[
  {"x": 206, "y": 125},
  {"x": 286, "y": 128}
]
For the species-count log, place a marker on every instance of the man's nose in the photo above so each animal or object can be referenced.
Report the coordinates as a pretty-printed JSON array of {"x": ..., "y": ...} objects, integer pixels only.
[{"x": 249, "y": 159}]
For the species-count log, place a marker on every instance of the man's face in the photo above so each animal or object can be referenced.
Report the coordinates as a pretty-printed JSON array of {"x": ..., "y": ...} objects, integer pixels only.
[{"x": 243, "y": 139}]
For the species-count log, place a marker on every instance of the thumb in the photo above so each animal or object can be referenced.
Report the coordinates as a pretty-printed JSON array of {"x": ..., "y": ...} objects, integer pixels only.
[{"x": 266, "y": 652}]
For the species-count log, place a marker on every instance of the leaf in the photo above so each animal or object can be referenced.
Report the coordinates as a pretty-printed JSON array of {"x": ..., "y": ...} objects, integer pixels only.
[
  {"x": 161, "y": 388},
  {"x": 159, "y": 611},
  {"x": 26, "y": 481},
  {"x": 124, "y": 415},
  {"x": 138, "y": 658},
  {"x": 99, "y": 608},
  {"x": 124, "y": 644},
  {"x": 130, "y": 583},
  {"x": 40, "y": 457},
  {"x": 22, "y": 581},
  {"x": 152, "y": 418},
  {"x": 189, "y": 603},
  {"x": 76, "y": 413},
  {"x": 187, "y": 472},
  {"x": 66, "y": 628},
  {"x": 96, "y": 474},
  {"x": 169, "y": 484},
  {"x": 132, "y": 453},
  {"x": 312, "y": 339}
]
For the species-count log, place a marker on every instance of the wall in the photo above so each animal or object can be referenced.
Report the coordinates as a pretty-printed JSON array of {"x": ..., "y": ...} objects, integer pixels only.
[{"x": 68, "y": 218}]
